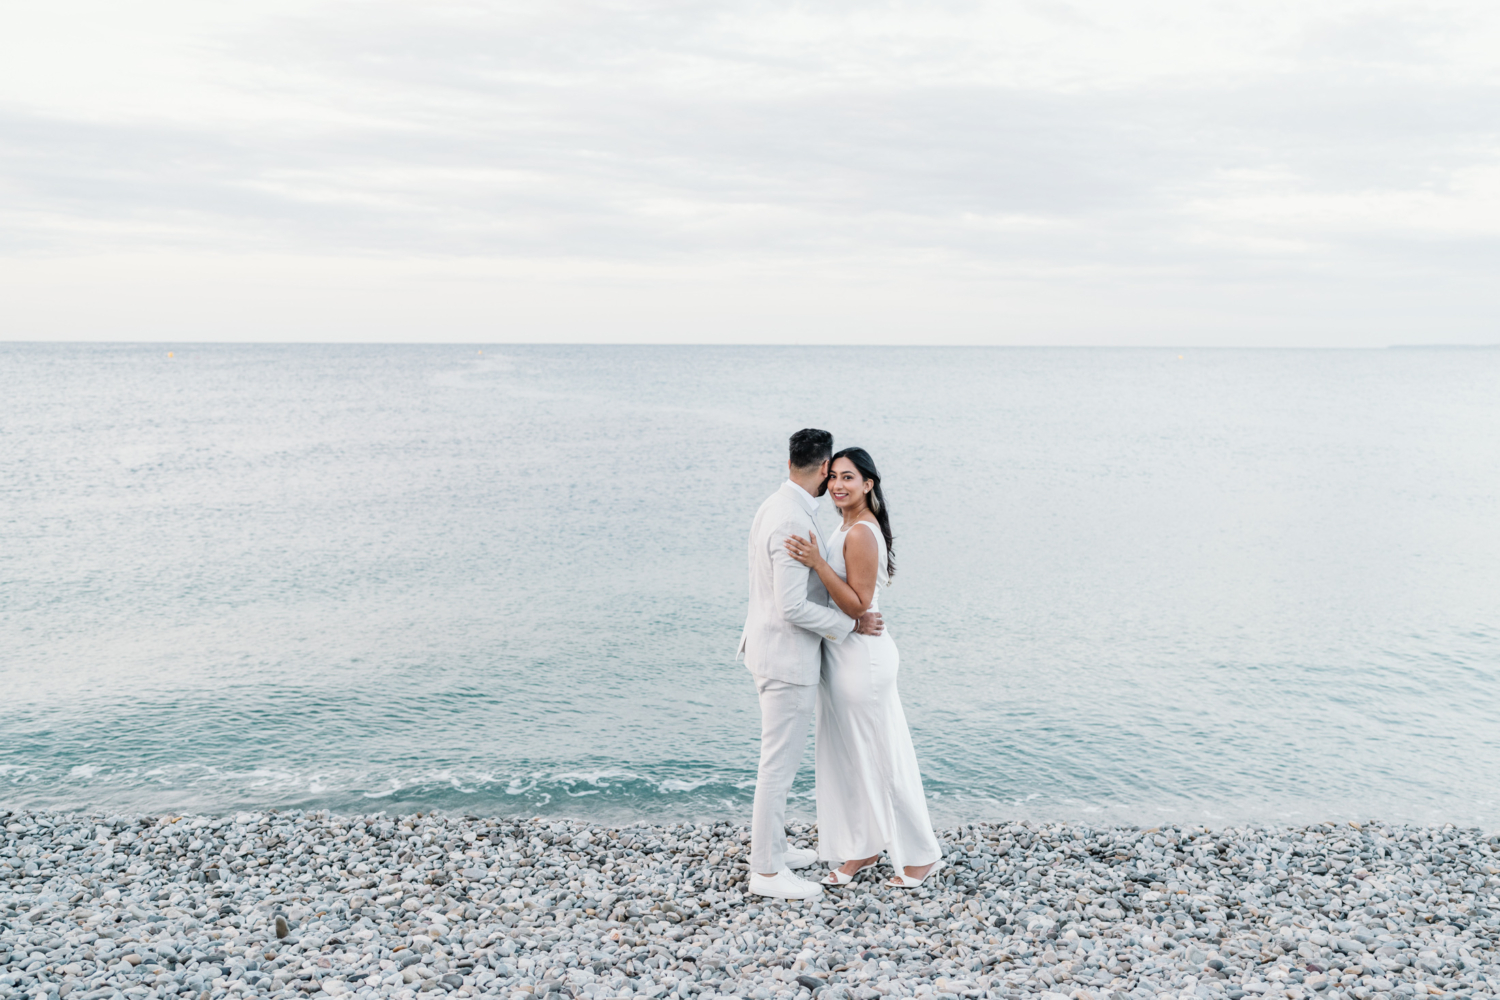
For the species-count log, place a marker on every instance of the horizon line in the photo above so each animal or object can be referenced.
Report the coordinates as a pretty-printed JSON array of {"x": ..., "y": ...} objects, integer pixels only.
[{"x": 754, "y": 344}]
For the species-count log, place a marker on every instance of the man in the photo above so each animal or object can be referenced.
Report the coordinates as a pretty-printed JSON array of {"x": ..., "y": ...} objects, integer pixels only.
[{"x": 789, "y": 620}]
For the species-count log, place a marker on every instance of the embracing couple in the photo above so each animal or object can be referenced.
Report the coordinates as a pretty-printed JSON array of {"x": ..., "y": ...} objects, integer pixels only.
[{"x": 815, "y": 644}]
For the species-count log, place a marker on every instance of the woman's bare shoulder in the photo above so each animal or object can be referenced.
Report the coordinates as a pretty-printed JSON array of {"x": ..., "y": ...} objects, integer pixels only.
[{"x": 863, "y": 540}]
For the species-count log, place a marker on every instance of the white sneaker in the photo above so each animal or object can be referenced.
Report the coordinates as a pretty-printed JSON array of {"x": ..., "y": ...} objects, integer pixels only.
[
  {"x": 800, "y": 857},
  {"x": 784, "y": 885}
]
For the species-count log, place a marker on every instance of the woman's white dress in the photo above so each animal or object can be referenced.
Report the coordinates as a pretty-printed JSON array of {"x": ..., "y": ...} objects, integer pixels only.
[{"x": 869, "y": 791}]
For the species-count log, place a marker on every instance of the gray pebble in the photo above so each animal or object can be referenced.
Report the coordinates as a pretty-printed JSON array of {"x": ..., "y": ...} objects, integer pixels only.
[{"x": 306, "y": 904}]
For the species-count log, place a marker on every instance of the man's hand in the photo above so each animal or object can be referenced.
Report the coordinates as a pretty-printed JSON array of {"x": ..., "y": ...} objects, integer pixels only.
[{"x": 869, "y": 623}]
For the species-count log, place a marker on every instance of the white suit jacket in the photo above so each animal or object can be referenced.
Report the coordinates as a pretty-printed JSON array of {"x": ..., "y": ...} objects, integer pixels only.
[{"x": 789, "y": 614}]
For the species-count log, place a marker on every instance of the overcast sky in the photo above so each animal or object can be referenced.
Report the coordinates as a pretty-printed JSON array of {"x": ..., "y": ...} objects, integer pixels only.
[{"x": 1039, "y": 172}]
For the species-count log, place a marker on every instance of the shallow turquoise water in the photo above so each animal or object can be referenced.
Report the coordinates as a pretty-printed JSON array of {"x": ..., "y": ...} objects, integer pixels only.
[{"x": 1235, "y": 585}]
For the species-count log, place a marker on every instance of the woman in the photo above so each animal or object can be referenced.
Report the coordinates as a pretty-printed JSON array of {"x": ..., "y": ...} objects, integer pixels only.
[{"x": 870, "y": 795}]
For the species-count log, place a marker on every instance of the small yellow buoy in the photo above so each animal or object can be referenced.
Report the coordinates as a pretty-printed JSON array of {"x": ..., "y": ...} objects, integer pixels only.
[
  {"x": 481, "y": 352},
  {"x": 169, "y": 354},
  {"x": 1179, "y": 357}
]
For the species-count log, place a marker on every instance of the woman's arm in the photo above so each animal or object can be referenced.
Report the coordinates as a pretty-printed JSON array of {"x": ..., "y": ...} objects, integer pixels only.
[
  {"x": 789, "y": 582},
  {"x": 861, "y": 556}
]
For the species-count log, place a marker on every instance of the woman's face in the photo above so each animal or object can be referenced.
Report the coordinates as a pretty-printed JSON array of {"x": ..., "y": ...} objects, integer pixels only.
[{"x": 847, "y": 487}]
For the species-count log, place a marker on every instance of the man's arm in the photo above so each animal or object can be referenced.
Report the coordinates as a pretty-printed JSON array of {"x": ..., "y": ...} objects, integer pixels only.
[{"x": 790, "y": 582}]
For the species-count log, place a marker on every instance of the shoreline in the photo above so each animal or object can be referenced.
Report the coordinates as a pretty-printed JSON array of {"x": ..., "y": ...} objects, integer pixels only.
[{"x": 393, "y": 906}]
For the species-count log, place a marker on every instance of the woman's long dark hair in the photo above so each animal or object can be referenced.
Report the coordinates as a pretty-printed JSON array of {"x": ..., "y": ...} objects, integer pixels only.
[{"x": 876, "y": 499}]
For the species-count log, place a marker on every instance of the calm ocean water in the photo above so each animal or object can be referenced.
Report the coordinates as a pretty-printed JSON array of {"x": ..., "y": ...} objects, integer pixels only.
[{"x": 1131, "y": 586}]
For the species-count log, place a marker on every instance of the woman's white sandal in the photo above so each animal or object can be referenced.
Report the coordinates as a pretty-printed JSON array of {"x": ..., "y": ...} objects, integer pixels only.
[
  {"x": 901, "y": 880},
  {"x": 837, "y": 877}
]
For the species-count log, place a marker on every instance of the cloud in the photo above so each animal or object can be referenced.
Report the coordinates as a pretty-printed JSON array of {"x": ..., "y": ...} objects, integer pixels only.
[{"x": 1168, "y": 162}]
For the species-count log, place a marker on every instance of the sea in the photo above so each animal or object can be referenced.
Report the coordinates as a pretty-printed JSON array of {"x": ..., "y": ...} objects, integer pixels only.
[{"x": 1135, "y": 586}]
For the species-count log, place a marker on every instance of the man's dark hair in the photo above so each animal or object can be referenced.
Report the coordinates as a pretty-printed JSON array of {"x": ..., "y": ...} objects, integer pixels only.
[{"x": 811, "y": 447}]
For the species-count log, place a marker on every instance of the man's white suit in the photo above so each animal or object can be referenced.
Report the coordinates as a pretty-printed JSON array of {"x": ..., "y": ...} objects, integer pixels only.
[{"x": 782, "y": 644}]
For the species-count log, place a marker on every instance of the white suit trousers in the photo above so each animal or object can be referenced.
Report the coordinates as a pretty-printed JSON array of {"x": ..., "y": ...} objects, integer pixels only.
[{"x": 786, "y": 714}]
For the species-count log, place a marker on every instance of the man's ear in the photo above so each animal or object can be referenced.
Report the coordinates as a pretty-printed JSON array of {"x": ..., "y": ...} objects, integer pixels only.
[{"x": 823, "y": 469}]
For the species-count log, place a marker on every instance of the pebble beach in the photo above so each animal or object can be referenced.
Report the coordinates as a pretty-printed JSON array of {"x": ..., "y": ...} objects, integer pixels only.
[{"x": 298, "y": 904}]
